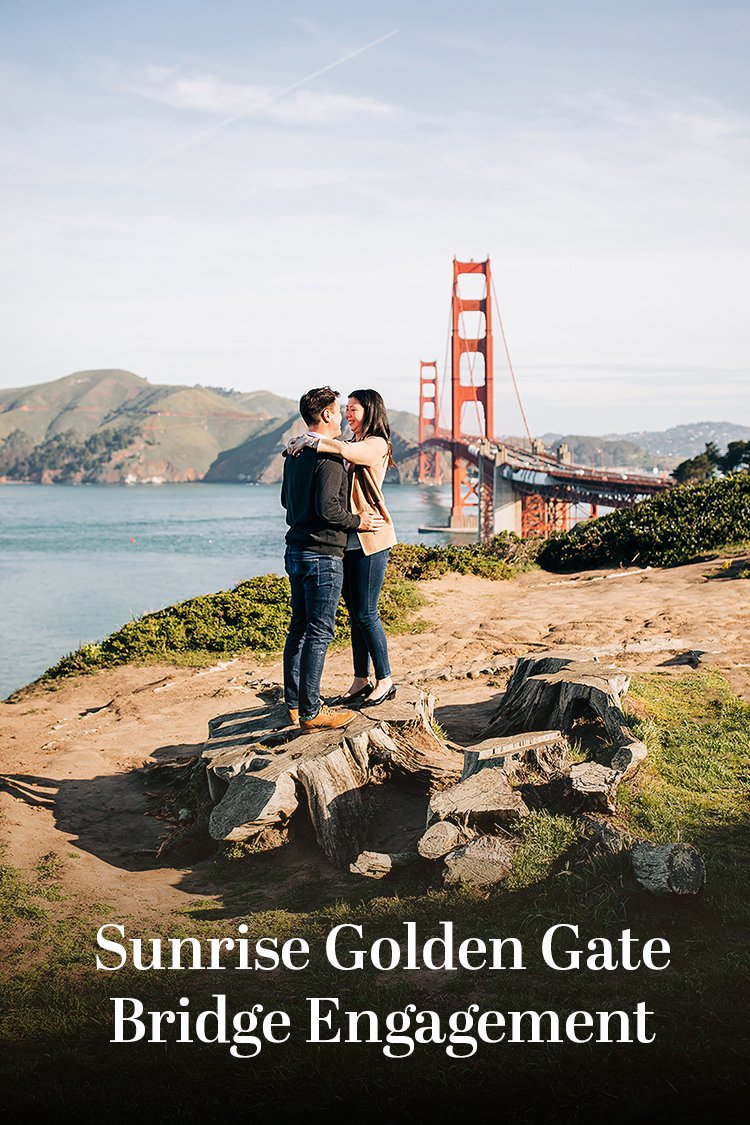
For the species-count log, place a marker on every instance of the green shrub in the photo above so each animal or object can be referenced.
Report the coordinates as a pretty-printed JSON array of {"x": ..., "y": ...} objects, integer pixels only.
[
  {"x": 503, "y": 557},
  {"x": 675, "y": 527},
  {"x": 253, "y": 616}
]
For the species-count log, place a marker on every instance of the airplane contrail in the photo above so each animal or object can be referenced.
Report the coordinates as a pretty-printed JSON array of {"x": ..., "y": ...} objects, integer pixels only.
[{"x": 196, "y": 137}]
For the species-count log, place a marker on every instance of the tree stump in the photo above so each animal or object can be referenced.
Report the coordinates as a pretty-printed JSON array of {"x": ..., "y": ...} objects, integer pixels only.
[
  {"x": 550, "y": 690},
  {"x": 668, "y": 869},
  {"x": 255, "y": 768}
]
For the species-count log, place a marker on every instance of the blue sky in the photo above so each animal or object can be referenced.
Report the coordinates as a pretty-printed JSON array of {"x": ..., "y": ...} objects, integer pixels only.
[{"x": 180, "y": 198}]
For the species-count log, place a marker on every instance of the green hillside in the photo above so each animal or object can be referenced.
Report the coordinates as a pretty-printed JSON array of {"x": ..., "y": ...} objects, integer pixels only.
[
  {"x": 110, "y": 427},
  {"x": 114, "y": 426},
  {"x": 80, "y": 402}
]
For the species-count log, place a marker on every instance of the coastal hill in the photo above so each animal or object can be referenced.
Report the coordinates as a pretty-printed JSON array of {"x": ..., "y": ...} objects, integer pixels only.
[{"x": 115, "y": 427}]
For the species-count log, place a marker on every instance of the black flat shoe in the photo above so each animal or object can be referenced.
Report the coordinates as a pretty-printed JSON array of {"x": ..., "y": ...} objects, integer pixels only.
[
  {"x": 355, "y": 697},
  {"x": 390, "y": 694}
]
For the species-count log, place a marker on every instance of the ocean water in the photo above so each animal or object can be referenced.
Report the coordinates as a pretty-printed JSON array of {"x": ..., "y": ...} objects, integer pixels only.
[{"x": 77, "y": 562}]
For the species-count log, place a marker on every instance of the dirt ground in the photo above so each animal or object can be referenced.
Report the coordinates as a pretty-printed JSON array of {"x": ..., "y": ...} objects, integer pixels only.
[{"x": 70, "y": 758}]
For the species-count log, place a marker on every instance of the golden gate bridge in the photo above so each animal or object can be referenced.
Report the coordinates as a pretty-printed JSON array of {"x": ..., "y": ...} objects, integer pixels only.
[{"x": 497, "y": 486}]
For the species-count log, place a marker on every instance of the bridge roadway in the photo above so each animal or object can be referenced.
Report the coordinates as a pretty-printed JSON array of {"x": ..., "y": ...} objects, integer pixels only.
[{"x": 543, "y": 474}]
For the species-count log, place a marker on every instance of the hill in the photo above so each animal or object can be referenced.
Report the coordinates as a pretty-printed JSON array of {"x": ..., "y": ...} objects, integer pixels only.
[
  {"x": 114, "y": 427},
  {"x": 648, "y": 449}
]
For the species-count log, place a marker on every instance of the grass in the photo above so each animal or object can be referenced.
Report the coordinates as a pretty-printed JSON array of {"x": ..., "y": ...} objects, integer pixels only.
[{"x": 57, "y": 1014}]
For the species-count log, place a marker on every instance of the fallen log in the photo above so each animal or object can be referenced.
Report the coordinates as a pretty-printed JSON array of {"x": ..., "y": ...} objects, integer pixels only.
[
  {"x": 668, "y": 869},
  {"x": 547, "y": 750}
]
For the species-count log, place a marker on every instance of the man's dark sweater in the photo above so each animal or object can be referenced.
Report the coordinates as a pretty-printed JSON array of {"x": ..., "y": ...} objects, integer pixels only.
[{"x": 315, "y": 493}]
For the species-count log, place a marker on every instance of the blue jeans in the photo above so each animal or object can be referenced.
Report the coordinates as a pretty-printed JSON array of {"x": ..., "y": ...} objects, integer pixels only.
[
  {"x": 363, "y": 580},
  {"x": 316, "y": 581}
]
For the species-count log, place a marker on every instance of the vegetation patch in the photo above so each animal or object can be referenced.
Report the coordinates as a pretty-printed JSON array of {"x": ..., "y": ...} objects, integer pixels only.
[
  {"x": 694, "y": 784},
  {"x": 676, "y": 527},
  {"x": 505, "y": 556},
  {"x": 63, "y": 457}
]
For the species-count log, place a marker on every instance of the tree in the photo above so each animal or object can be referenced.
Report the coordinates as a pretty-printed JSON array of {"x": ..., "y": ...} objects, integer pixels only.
[
  {"x": 698, "y": 470},
  {"x": 736, "y": 457}
]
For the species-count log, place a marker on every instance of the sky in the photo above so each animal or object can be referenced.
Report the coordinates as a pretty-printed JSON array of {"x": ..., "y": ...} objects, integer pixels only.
[{"x": 256, "y": 195}]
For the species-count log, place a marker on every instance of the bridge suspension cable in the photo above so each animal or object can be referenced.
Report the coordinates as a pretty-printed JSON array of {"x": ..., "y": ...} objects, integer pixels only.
[{"x": 510, "y": 362}]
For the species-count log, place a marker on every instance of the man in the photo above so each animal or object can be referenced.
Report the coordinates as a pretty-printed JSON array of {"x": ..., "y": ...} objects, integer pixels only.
[{"x": 315, "y": 493}]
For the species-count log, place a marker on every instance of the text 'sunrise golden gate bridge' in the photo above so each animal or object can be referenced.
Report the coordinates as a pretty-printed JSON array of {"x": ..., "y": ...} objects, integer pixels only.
[{"x": 528, "y": 491}]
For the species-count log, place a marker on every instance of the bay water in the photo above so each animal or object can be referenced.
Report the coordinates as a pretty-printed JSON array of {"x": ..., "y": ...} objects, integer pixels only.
[{"x": 77, "y": 562}]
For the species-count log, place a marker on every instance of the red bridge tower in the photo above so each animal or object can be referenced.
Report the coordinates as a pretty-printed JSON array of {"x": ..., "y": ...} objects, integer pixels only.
[
  {"x": 471, "y": 382},
  {"x": 429, "y": 409}
]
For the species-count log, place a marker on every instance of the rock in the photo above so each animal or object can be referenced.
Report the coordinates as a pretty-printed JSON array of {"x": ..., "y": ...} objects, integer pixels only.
[
  {"x": 480, "y": 863},
  {"x": 668, "y": 869}
]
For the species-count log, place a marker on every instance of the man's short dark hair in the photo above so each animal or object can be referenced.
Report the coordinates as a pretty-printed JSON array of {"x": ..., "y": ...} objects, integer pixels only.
[{"x": 314, "y": 402}]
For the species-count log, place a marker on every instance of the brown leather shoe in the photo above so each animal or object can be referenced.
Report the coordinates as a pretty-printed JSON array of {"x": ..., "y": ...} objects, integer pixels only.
[
  {"x": 293, "y": 715},
  {"x": 328, "y": 719}
]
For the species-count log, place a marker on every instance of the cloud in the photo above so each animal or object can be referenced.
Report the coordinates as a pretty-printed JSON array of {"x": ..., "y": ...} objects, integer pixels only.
[{"x": 207, "y": 93}]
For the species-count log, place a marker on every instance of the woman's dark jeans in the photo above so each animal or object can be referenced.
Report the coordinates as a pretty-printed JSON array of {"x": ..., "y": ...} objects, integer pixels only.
[
  {"x": 315, "y": 580},
  {"x": 363, "y": 580}
]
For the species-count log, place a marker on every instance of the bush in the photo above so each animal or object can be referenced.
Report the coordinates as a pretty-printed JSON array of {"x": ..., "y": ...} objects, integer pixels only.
[
  {"x": 253, "y": 616},
  {"x": 503, "y": 557},
  {"x": 675, "y": 527}
]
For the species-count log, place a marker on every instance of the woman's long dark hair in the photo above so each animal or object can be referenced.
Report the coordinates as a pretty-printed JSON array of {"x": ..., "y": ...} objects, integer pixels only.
[{"x": 375, "y": 422}]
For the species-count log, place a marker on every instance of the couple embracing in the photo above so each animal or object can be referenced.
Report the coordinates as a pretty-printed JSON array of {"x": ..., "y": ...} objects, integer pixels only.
[{"x": 338, "y": 541}]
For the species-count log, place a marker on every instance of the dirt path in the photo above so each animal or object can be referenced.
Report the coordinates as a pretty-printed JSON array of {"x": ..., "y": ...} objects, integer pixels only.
[{"x": 69, "y": 758}]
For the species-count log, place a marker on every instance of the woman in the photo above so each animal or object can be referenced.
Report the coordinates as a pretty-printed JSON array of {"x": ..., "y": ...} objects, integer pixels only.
[{"x": 368, "y": 457}]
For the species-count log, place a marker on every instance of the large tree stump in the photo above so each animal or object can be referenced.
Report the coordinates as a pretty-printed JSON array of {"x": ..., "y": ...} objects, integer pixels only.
[
  {"x": 668, "y": 869},
  {"x": 550, "y": 690},
  {"x": 255, "y": 768},
  {"x": 480, "y": 863}
]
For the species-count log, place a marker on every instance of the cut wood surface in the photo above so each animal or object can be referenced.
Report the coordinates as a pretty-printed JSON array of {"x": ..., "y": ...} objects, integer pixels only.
[
  {"x": 439, "y": 839},
  {"x": 481, "y": 862},
  {"x": 376, "y": 865},
  {"x": 595, "y": 784},
  {"x": 486, "y": 795}
]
